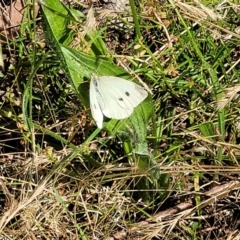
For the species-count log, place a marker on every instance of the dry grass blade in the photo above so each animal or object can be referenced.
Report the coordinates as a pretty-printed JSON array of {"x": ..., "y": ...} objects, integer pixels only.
[
  {"x": 170, "y": 171},
  {"x": 15, "y": 208},
  {"x": 170, "y": 217},
  {"x": 198, "y": 13}
]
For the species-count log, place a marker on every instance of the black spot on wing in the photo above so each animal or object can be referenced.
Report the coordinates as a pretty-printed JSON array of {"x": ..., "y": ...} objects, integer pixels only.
[{"x": 127, "y": 94}]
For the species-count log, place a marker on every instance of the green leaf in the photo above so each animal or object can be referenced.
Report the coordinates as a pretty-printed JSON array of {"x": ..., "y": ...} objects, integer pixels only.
[
  {"x": 207, "y": 129},
  {"x": 80, "y": 66},
  {"x": 56, "y": 21}
]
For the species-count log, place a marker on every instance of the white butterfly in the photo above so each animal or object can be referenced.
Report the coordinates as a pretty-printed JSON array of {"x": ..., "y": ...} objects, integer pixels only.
[{"x": 114, "y": 97}]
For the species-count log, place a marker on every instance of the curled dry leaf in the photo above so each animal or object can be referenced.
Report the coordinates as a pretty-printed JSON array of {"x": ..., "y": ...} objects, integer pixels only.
[
  {"x": 199, "y": 12},
  {"x": 229, "y": 95},
  {"x": 11, "y": 17}
]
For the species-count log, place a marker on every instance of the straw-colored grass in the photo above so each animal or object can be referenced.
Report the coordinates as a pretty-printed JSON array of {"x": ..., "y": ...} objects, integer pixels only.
[{"x": 170, "y": 171}]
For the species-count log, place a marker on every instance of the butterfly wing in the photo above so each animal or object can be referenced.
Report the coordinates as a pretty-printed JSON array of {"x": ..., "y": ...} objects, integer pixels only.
[
  {"x": 119, "y": 96},
  {"x": 95, "y": 99}
]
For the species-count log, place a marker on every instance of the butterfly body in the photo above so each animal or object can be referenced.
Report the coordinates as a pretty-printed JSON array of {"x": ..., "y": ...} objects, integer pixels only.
[{"x": 114, "y": 97}]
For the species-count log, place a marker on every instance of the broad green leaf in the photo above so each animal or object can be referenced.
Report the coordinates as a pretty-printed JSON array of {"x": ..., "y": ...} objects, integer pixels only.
[
  {"x": 56, "y": 21},
  {"x": 80, "y": 66}
]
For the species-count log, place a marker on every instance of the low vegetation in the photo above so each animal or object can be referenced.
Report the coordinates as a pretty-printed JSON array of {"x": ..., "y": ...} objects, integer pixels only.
[{"x": 170, "y": 170}]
